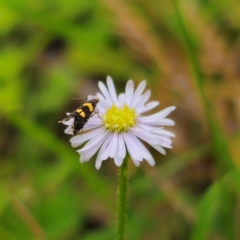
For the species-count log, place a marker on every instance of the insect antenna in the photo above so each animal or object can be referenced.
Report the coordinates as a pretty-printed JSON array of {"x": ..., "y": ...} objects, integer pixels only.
[{"x": 78, "y": 98}]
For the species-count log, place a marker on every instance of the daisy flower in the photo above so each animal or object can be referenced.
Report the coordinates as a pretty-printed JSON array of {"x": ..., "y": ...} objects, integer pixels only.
[{"x": 120, "y": 126}]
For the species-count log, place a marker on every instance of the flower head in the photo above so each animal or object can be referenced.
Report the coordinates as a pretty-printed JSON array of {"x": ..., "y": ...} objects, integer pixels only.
[{"x": 120, "y": 126}]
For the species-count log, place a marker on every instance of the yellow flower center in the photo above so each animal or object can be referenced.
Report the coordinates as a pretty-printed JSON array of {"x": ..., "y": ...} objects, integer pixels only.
[{"x": 119, "y": 119}]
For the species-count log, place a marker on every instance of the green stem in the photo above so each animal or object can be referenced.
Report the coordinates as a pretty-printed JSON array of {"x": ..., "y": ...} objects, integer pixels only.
[{"x": 122, "y": 200}]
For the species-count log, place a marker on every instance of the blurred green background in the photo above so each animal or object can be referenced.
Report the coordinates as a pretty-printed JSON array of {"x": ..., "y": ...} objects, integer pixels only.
[{"x": 53, "y": 51}]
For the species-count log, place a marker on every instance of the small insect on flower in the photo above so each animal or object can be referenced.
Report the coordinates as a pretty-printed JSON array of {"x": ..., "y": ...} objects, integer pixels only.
[{"x": 81, "y": 115}]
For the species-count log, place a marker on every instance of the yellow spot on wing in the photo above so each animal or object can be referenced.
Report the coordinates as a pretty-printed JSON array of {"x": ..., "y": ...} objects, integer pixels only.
[
  {"x": 81, "y": 113},
  {"x": 89, "y": 105}
]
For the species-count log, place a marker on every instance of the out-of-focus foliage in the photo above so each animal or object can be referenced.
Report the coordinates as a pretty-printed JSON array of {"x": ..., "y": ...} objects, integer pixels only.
[{"x": 53, "y": 51}]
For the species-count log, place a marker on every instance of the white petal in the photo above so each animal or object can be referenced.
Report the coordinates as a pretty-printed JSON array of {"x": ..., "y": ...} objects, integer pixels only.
[
  {"x": 162, "y": 114},
  {"x": 112, "y": 90},
  {"x": 165, "y": 122},
  {"x": 152, "y": 139},
  {"x": 68, "y": 130},
  {"x": 118, "y": 161},
  {"x": 103, "y": 104},
  {"x": 121, "y": 99},
  {"x": 159, "y": 148},
  {"x": 121, "y": 147},
  {"x": 166, "y": 140},
  {"x": 81, "y": 160},
  {"x": 92, "y": 123},
  {"x": 129, "y": 92},
  {"x": 144, "y": 152},
  {"x": 137, "y": 164},
  {"x": 133, "y": 151},
  {"x": 105, "y": 153},
  {"x": 114, "y": 145},
  {"x": 149, "y": 106},
  {"x": 68, "y": 122},
  {"x": 105, "y": 92},
  {"x": 138, "y": 93},
  {"x": 102, "y": 100},
  {"x": 85, "y": 157},
  {"x": 80, "y": 139},
  {"x": 156, "y": 122},
  {"x": 99, "y": 160},
  {"x": 93, "y": 141},
  {"x": 163, "y": 132},
  {"x": 90, "y": 127},
  {"x": 166, "y": 145},
  {"x": 100, "y": 96},
  {"x": 144, "y": 98},
  {"x": 155, "y": 130},
  {"x": 146, "y": 136}
]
